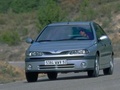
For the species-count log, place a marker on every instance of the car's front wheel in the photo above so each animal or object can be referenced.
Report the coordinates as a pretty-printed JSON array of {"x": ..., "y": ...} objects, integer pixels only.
[
  {"x": 31, "y": 77},
  {"x": 52, "y": 75},
  {"x": 95, "y": 72},
  {"x": 109, "y": 71}
]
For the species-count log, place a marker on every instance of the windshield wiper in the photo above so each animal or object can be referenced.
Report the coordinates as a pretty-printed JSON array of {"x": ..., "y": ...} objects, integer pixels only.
[
  {"x": 72, "y": 39},
  {"x": 64, "y": 39},
  {"x": 44, "y": 40}
]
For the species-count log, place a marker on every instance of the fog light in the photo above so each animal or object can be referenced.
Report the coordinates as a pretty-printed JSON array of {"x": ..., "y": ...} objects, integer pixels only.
[
  {"x": 29, "y": 67},
  {"x": 83, "y": 65},
  {"x": 38, "y": 67}
]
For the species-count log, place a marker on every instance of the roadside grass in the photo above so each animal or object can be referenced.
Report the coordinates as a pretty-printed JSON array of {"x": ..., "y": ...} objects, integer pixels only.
[
  {"x": 9, "y": 73},
  {"x": 14, "y": 28}
]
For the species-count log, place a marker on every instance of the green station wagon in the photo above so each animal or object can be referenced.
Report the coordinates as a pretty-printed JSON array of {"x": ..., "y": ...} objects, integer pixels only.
[{"x": 69, "y": 47}]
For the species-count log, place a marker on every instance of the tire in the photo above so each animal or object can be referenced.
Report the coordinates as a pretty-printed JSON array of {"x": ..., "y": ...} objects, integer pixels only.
[
  {"x": 95, "y": 72},
  {"x": 52, "y": 75},
  {"x": 109, "y": 71},
  {"x": 31, "y": 77}
]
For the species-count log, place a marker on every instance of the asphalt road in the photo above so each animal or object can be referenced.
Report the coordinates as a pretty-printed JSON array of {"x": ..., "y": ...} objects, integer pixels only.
[{"x": 71, "y": 81}]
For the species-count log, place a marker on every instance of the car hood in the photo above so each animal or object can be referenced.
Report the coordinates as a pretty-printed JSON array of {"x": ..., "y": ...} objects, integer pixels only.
[{"x": 60, "y": 45}]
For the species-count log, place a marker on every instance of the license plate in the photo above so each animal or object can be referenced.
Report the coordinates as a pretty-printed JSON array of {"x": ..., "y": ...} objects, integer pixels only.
[{"x": 55, "y": 62}]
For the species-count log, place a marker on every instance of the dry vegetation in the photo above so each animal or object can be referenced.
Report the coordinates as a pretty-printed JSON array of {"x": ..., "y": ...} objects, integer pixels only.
[
  {"x": 9, "y": 73},
  {"x": 24, "y": 25}
]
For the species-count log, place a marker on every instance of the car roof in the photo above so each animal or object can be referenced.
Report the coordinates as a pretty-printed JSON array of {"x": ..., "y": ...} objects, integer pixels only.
[{"x": 70, "y": 23}]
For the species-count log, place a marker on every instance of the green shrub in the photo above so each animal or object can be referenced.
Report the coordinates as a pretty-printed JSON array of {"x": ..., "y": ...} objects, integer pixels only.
[
  {"x": 24, "y": 5},
  {"x": 50, "y": 11},
  {"x": 10, "y": 37},
  {"x": 4, "y": 5}
]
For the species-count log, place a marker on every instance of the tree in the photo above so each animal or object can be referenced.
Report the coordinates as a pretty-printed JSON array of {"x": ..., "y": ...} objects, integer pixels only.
[{"x": 50, "y": 11}]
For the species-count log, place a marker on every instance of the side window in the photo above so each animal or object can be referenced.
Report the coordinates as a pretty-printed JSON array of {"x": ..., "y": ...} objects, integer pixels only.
[{"x": 99, "y": 31}]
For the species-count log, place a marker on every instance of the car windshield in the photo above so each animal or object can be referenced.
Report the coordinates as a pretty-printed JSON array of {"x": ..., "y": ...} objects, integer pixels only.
[{"x": 66, "y": 32}]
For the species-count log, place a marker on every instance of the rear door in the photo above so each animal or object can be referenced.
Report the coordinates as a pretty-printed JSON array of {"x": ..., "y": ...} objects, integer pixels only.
[{"x": 103, "y": 46}]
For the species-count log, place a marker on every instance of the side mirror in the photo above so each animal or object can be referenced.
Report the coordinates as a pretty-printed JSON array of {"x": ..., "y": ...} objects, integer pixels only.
[
  {"x": 103, "y": 38},
  {"x": 29, "y": 40}
]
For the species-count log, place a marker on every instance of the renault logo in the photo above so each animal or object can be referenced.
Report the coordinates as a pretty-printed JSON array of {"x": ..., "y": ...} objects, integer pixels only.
[{"x": 55, "y": 52}]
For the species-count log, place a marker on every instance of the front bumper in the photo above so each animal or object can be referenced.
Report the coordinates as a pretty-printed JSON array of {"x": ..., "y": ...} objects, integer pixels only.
[{"x": 81, "y": 63}]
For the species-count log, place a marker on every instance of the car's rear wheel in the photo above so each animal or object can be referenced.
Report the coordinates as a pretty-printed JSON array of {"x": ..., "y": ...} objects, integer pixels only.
[
  {"x": 95, "y": 72},
  {"x": 31, "y": 77},
  {"x": 52, "y": 75},
  {"x": 109, "y": 71}
]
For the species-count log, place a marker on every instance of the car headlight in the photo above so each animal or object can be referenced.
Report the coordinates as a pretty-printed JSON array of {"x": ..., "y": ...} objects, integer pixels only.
[
  {"x": 84, "y": 51},
  {"x": 34, "y": 53}
]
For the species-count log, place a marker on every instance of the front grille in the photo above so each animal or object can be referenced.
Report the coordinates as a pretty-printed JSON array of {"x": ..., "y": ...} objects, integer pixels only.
[
  {"x": 51, "y": 53},
  {"x": 57, "y": 66}
]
